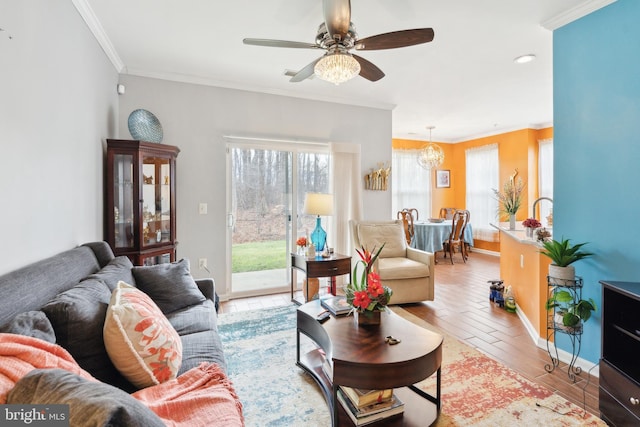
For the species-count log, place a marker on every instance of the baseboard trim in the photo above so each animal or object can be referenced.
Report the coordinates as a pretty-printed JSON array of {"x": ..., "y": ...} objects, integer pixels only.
[
  {"x": 563, "y": 356},
  {"x": 485, "y": 251}
]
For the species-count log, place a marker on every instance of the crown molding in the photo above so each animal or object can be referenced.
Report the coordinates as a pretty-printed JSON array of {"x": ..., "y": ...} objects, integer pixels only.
[
  {"x": 89, "y": 17},
  {"x": 206, "y": 81},
  {"x": 575, "y": 13}
]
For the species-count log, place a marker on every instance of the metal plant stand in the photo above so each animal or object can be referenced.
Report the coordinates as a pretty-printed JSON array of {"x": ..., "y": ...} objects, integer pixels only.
[{"x": 574, "y": 287}]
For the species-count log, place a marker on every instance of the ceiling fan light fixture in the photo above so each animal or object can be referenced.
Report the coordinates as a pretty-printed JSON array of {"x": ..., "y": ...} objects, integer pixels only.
[{"x": 337, "y": 67}]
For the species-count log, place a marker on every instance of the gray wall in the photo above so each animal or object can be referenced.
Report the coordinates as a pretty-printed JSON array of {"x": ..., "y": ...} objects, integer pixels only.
[
  {"x": 57, "y": 104},
  {"x": 196, "y": 118}
]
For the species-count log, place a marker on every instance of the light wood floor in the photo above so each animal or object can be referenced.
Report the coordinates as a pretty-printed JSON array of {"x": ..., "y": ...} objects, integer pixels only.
[{"x": 462, "y": 309}]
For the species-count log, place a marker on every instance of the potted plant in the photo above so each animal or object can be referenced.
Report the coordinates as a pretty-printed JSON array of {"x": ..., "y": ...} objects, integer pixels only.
[
  {"x": 531, "y": 224},
  {"x": 365, "y": 293},
  {"x": 563, "y": 254},
  {"x": 510, "y": 199},
  {"x": 570, "y": 312}
]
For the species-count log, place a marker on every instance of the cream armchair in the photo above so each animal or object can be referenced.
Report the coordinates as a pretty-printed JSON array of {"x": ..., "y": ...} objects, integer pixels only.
[{"x": 407, "y": 271}]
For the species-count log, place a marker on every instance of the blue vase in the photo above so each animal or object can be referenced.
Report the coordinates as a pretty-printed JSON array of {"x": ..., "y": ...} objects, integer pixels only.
[{"x": 319, "y": 236}]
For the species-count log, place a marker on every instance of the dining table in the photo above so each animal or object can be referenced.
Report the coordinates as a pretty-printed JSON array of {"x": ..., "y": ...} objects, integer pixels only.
[{"x": 430, "y": 236}]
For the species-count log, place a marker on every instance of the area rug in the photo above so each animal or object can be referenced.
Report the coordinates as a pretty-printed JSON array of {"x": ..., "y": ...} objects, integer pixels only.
[{"x": 260, "y": 347}]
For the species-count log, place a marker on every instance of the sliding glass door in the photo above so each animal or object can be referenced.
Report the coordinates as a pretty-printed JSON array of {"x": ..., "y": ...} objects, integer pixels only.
[{"x": 266, "y": 187}]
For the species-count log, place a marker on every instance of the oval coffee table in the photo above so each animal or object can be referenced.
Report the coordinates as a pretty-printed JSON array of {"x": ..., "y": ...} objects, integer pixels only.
[{"x": 361, "y": 358}]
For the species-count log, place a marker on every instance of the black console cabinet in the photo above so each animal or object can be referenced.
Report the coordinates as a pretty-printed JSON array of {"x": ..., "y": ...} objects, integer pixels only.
[{"x": 620, "y": 362}]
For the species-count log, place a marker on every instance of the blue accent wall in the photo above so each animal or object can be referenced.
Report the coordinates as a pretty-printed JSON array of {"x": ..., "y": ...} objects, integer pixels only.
[{"x": 596, "y": 80}]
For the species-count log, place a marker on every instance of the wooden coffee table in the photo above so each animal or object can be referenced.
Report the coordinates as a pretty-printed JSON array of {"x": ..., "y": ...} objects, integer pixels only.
[{"x": 362, "y": 359}]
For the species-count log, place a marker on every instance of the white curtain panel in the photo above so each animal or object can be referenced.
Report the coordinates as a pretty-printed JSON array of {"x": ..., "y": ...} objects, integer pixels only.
[
  {"x": 545, "y": 177},
  {"x": 346, "y": 184},
  {"x": 482, "y": 178},
  {"x": 410, "y": 183}
]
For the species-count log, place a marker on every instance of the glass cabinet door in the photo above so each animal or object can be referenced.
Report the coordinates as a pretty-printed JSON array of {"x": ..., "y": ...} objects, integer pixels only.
[
  {"x": 156, "y": 200},
  {"x": 123, "y": 196},
  {"x": 140, "y": 199}
]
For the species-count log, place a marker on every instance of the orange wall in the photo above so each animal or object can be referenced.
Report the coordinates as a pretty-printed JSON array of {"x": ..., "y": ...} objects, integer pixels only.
[
  {"x": 517, "y": 149},
  {"x": 525, "y": 270}
]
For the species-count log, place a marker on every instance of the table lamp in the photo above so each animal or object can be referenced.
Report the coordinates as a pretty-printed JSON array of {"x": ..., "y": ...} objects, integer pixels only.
[{"x": 318, "y": 204}]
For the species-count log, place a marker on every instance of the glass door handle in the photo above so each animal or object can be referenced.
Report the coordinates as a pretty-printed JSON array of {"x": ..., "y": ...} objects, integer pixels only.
[{"x": 230, "y": 220}]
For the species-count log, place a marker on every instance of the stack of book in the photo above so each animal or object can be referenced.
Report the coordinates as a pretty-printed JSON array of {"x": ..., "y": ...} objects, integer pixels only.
[
  {"x": 369, "y": 406},
  {"x": 337, "y": 305}
]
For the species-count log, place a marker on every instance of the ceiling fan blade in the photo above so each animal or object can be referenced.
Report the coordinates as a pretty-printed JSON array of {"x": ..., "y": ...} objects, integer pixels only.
[
  {"x": 280, "y": 43},
  {"x": 337, "y": 17},
  {"x": 305, "y": 73},
  {"x": 396, "y": 39},
  {"x": 368, "y": 70}
]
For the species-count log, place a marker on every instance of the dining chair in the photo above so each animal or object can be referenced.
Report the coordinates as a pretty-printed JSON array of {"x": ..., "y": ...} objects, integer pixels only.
[
  {"x": 408, "y": 217},
  {"x": 456, "y": 237},
  {"x": 465, "y": 245},
  {"x": 447, "y": 213}
]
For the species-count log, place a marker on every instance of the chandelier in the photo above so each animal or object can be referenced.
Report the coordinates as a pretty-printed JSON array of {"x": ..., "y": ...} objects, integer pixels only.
[
  {"x": 337, "y": 67},
  {"x": 432, "y": 155}
]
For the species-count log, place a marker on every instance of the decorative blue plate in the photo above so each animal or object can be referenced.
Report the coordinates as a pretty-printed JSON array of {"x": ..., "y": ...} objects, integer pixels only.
[{"x": 144, "y": 126}]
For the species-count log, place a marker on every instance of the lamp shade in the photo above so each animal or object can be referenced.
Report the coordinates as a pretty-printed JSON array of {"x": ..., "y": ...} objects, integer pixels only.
[{"x": 320, "y": 204}]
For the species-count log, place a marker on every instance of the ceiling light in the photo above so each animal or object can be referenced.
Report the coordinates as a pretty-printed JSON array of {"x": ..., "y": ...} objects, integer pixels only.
[
  {"x": 524, "y": 58},
  {"x": 337, "y": 67},
  {"x": 432, "y": 155}
]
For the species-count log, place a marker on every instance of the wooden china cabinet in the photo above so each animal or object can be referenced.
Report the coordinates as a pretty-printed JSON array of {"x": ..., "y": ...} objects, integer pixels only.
[{"x": 140, "y": 200}]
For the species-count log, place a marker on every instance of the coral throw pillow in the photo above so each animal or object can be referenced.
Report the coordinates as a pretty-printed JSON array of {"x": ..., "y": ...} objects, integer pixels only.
[{"x": 140, "y": 341}]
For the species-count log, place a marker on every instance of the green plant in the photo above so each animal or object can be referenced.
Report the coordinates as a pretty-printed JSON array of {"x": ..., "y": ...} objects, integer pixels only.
[
  {"x": 573, "y": 310},
  {"x": 563, "y": 253}
]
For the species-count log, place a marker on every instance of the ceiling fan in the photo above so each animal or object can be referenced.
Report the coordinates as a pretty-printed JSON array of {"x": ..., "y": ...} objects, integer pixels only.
[{"x": 337, "y": 35}]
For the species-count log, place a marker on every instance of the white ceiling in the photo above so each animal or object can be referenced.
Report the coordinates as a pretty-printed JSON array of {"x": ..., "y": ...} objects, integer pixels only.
[{"x": 464, "y": 83}]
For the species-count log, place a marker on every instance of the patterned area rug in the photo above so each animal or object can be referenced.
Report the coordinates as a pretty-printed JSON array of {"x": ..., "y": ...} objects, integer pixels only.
[
  {"x": 260, "y": 349},
  {"x": 476, "y": 390},
  {"x": 479, "y": 391}
]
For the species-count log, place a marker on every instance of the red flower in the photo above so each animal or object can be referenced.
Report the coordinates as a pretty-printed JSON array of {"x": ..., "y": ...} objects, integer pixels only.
[
  {"x": 531, "y": 222},
  {"x": 361, "y": 299},
  {"x": 365, "y": 256},
  {"x": 374, "y": 285},
  {"x": 366, "y": 291}
]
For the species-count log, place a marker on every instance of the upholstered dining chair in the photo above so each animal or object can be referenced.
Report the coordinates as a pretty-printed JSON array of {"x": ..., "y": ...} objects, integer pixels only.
[
  {"x": 456, "y": 237},
  {"x": 408, "y": 217},
  {"x": 447, "y": 213}
]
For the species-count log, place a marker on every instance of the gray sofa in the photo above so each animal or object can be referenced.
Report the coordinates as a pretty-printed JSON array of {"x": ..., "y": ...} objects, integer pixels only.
[{"x": 73, "y": 288}]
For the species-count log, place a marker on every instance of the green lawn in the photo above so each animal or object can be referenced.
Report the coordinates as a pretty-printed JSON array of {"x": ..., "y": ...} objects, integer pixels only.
[{"x": 258, "y": 256}]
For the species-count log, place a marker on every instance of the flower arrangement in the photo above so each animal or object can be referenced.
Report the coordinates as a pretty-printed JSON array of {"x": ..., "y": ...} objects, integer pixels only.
[
  {"x": 366, "y": 292},
  {"x": 543, "y": 235},
  {"x": 511, "y": 196},
  {"x": 301, "y": 242},
  {"x": 531, "y": 223}
]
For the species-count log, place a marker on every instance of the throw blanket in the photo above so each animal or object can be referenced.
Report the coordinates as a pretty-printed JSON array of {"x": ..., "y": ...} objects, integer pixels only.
[
  {"x": 202, "y": 396},
  {"x": 20, "y": 354}
]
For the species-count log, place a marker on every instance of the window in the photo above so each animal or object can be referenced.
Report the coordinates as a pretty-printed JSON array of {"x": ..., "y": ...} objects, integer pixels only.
[
  {"x": 545, "y": 178},
  {"x": 410, "y": 183},
  {"x": 482, "y": 177}
]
